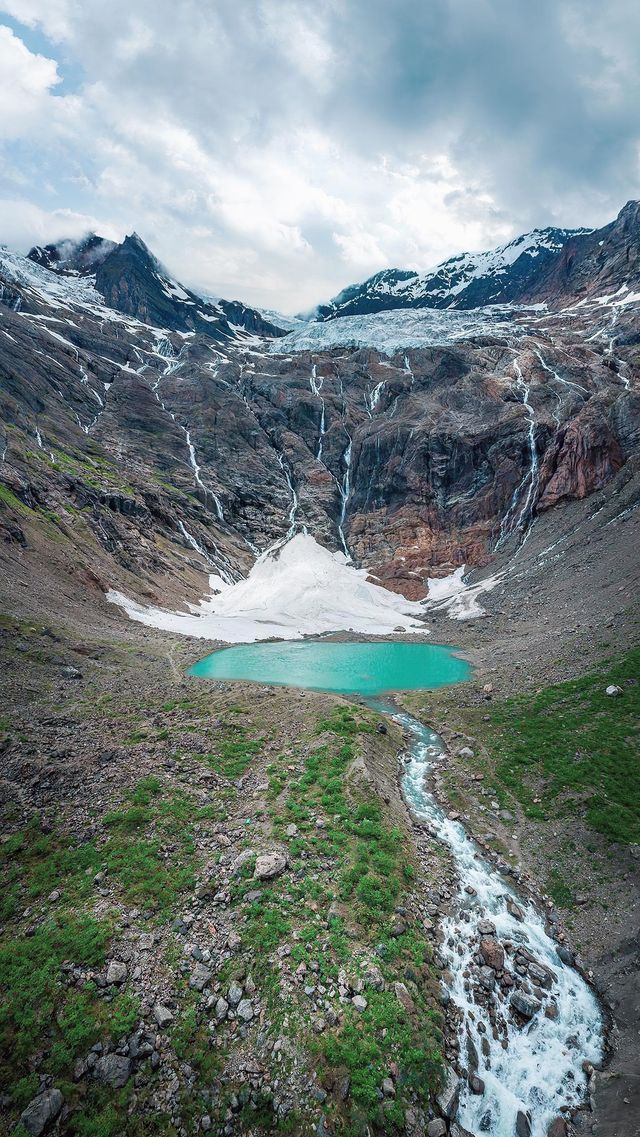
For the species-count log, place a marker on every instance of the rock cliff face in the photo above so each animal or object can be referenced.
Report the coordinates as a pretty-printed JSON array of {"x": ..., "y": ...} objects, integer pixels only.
[{"x": 154, "y": 430}]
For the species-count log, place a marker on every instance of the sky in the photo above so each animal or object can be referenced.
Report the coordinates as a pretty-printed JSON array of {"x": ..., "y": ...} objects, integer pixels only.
[{"x": 276, "y": 151}]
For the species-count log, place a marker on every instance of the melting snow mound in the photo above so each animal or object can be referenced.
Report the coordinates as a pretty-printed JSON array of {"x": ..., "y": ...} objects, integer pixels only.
[{"x": 295, "y": 590}]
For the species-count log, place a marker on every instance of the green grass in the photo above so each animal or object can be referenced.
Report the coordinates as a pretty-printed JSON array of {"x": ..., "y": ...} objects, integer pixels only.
[
  {"x": 577, "y": 749},
  {"x": 233, "y": 756}
]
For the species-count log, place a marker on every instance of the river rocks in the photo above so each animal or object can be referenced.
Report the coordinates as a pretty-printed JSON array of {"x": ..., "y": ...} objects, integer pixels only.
[
  {"x": 486, "y": 928},
  {"x": 558, "y": 1128},
  {"x": 113, "y": 1070},
  {"x": 514, "y": 910},
  {"x": 449, "y": 1096},
  {"x": 565, "y": 954},
  {"x": 487, "y": 978},
  {"x": 476, "y": 1085},
  {"x": 270, "y": 865},
  {"x": 492, "y": 953},
  {"x": 523, "y": 1124},
  {"x": 525, "y": 1005},
  {"x": 39, "y": 1112}
]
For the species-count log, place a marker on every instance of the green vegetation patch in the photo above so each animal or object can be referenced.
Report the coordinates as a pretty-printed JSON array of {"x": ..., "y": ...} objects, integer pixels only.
[
  {"x": 576, "y": 749},
  {"x": 335, "y": 909}
]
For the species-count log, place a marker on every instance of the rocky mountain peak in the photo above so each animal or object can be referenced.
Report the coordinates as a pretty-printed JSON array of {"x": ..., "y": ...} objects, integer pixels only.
[{"x": 72, "y": 255}]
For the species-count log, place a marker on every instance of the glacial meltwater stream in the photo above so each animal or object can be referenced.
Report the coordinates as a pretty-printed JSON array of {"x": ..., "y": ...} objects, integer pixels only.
[{"x": 527, "y": 1020}]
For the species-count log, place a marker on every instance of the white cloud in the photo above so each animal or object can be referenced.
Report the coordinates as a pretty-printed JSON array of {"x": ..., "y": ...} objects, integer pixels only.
[
  {"x": 278, "y": 150},
  {"x": 26, "y": 82}
]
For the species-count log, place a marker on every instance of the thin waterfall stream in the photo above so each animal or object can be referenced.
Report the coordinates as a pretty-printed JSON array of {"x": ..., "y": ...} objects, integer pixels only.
[{"x": 525, "y": 1025}]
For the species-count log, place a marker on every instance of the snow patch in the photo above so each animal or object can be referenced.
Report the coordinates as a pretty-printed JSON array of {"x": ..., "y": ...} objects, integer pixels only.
[
  {"x": 297, "y": 590},
  {"x": 455, "y": 597}
]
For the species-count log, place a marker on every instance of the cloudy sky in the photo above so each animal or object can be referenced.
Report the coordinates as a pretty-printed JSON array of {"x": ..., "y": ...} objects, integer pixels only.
[{"x": 278, "y": 150}]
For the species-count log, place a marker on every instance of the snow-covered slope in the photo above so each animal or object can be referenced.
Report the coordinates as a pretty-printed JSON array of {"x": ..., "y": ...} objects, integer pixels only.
[
  {"x": 470, "y": 280},
  {"x": 299, "y": 589}
]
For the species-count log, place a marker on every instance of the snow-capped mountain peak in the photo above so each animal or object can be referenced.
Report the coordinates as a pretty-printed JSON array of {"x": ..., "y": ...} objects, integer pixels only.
[{"x": 464, "y": 281}]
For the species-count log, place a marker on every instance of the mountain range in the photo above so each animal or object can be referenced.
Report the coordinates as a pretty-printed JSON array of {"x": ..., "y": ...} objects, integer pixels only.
[{"x": 155, "y": 425}]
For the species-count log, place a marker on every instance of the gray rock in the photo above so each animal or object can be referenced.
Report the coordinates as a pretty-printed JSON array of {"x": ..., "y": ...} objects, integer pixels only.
[
  {"x": 487, "y": 978},
  {"x": 241, "y": 859},
  {"x": 613, "y": 691},
  {"x": 360, "y": 1003},
  {"x": 200, "y": 976},
  {"x": 449, "y": 1097},
  {"x": 270, "y": 865},
  {"x": 437, "y": 1128},
  {"x": 486, "y": 928},
  {"x": 113, "y": 1070},
  {"x": 116, "y": 972},
  {"x": 39, "y": 1112},
  {"x": 245, "y": 1010},
  {"x": 221, "y": 1009},
  {"x": 162, "y": 1015},
  {"x": 388, "y": 1088},
  {"x": 466, "y": 752},
  {"x": 234, "y": 994},
  {"x": 526, "y": 1005}
]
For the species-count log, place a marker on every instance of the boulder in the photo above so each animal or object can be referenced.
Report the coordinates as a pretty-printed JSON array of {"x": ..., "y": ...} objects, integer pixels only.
[
  {"x": 523, "y": 1124},
  {"x": 449, "y": 1096},
  {"x": 270, "y": 865},
  {"x": 244, "y": 1010},
  {"x": 492, "y": 953},
  {"x": 39, "y": 1112},
  {"x": 162, "y": 1015},
  {"x": 558, "y": 1128},
  {"x": 525, "y": 1005},
  {"x": 613, "y": 691},
  {"x": 437, "y": 1128},
  {"x": 116, "y": 972},
  {"x": 113, "y": 1070}
]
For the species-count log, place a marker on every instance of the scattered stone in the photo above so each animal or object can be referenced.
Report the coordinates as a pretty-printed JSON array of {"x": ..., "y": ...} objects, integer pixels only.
[
  {"x": 244, "y": 1010},
  {"x": 200, "y": 976},
  {"x": 360, "y": 1003},
  {"x": 162, "y": 1015},
  {"x": 486, "y": 928},
  {"x": 381, "y": 728},
  {"x": 234, "y": 943},
  {"x": 221, "y": 1009},
  {"x": 557, "y": 1128},
  {"x": 270, "y": 865},
  {"x": 113, "y": 1070},
  {"x": 242, "y": 859},
  {"x": 234, "y": 994},
  {"x": 466, "y": 752},
  {"x": 613, "y": 691},
  {"x": 39, "y": 1112},
  {"x": 116, "y": 972},
  {"x": 388, "y": 1088},
  {"x": 514, "y": 910}
]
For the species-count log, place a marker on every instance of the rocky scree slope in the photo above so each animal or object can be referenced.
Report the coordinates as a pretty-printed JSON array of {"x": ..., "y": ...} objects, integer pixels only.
[{"x": 155, "y": 446}]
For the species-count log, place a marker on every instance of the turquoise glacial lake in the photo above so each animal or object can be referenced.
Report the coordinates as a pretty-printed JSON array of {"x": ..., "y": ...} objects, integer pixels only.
[{"x": 346, "y": 668}]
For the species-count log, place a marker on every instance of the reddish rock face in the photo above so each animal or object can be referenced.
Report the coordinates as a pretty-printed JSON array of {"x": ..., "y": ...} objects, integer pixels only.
[{"x": 583, "y": 458}]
